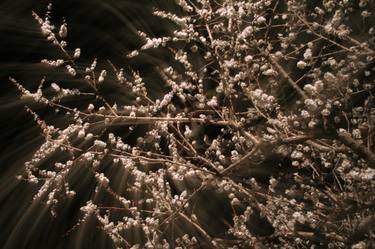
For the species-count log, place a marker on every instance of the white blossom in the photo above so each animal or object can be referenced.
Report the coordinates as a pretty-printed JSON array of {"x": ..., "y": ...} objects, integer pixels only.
[
  {"x": 77, "y": 53},
  {"x": 301, "y": 64},
  {"x": 307, "y": 55},
  {"x": 55, "y": 87},
  {"x": 90, "y": 107},
  {"x": 311, "y": 104},
  {"x": 71, "y": 70},
  {"x": 63, "y": 30},
  {"x": 102, "y": 76}
]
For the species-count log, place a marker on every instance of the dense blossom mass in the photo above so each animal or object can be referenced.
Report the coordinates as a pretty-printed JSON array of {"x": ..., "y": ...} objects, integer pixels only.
[{"x": 262, "y": 135}]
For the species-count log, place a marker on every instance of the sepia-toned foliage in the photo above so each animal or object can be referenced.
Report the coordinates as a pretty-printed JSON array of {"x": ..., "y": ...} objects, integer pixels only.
[{"x": 256, "y": 132}]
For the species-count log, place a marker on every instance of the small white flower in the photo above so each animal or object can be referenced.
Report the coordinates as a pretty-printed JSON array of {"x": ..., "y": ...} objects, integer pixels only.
[
  {"x": 296, "y": 155},
  {"x": 365, "y": 13},
  {"x": 270, "y": 72},
  {"x": 273, "y": 182},
  {"x": 319, "y": 85},
  {"x": 90, "y": 107},
  {"x": 100, "y": 144},
  {"x": 102, "y": 76},
  {"x": 295, "y": 163},
  {"x": 63, "y": 30},
  {"x": 278, "y": 55},
  {"x": 311, "y": 124},
  {"x": 329, "y": 77},
  {"x": 133, "y": 54},
  {"x": 235, "y": 202},
  {"x": 212, "y": 102},
  {"x": 55, "y": 87},
  {"x": 311, "y": 104},
  {"x": 188, "y": 132},
  {"x": 308, "y": 54},
  {"x": 301, "y": 64},
  {"x": 70, "y": 194},
  {"x": 261, "y": 20},
  {"x": 71, "y": 70},
  {"x": 246, "y": 32},
  {"x": 359, "y": 245},
  {"x": 325, "y": 112},
  {"x": 102, "y": 179},
  {"x": 77, "y": 53},
  {"x": 248, "y": 58},
  {"x": 81, "y": 133},
  {"x": 356, "y": 134},
  {"x": 310, "y": 89}
]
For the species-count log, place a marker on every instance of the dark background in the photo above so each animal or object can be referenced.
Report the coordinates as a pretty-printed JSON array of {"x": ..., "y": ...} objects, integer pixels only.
[{"x": 103, "y": 30}]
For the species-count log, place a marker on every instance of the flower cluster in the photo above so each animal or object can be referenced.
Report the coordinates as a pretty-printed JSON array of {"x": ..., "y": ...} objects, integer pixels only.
[{"x": 262, "y": 134}]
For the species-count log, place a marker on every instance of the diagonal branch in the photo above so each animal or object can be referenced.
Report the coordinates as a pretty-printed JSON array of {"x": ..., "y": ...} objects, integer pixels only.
[{"x": 358, "y": 148}]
